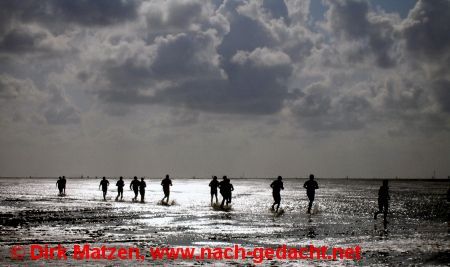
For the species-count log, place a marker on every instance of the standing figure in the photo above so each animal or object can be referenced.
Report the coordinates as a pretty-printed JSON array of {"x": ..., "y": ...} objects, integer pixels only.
[
  {"x": 277, "y": 186},
  {"x": 166, "y": 184},
  {"x": 214, "y": 184},
  {"x": 120, "y": 184},
  {"x": 383, "y": 200},
  {"x": 59, "y": 184},
  {"x": 135, "y": 185},
  {"x": 311, "y": 187},
  {"x": 64, "y": 184},
  {"x": 142, "y": 186},
  {"x": 104, "y": 184}
]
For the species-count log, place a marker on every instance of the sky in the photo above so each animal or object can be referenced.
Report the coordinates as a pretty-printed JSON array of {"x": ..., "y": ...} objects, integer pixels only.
[{"x": 250, "y": 88}]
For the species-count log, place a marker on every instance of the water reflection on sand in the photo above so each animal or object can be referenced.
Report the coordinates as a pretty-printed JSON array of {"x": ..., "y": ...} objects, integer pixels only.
[{"x": 417, "y": 230}]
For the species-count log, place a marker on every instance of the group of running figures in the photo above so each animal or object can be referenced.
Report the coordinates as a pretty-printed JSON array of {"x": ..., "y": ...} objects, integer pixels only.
[
  {"x": 277, "y": 185},
  {"x": 226, "y": 188},
  {"x": 137, "y": 186},
  {"x": 311, "y": 186}
]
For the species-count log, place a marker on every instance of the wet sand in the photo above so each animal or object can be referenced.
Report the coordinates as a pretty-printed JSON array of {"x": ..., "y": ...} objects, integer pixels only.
[{"x": 417, "y": 233}]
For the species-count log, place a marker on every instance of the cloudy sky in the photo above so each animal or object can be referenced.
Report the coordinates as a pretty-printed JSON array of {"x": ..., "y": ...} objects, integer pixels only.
[{"x": 243, "y": 88}]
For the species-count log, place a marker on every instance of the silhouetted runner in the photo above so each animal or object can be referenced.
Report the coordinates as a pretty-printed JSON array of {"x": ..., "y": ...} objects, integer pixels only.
[
  {"x": 142, "y": 186},
  {"x": 59, "y": 184},
  {"x": 64, "y": 181},
  {"x": 214, "y": 184},
  {"x": 224, "y": 190},
  {"x": 135, "y": 185},
  {"x": 166, "y": 184},
  {"x": 120, "y": 184},
  {"x": 311, "y": 187},
  {"x": 383, "y": 200},
  {"x": 448, "y": 194},
  {"x": 230, "y": 189},
  {"x": 104, "y": 184},
  {"x": 277, "y": 186}
]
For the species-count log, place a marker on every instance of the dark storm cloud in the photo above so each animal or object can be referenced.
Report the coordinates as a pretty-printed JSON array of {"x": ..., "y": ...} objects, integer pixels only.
[
  {"x": 19, "y": 40},
  {"x": 84, "y": 12},
  {"x": 173, "y": 58},
  {"x": 238, "y": 57},
  {"x": 34, "y": 26},
  {"x": 242, "y": 70},
  {"x": 98, "y": 12},
  {"x": 245, "y": 34},
  {"x": 442, "y": 91},
  {"x": 254, "y": 86},
  {"x": 222, "y": 97},
  {"x": 427, "y": 28},
  {"x": 416, "y": 96},
  {"x": 184, "y": 55},
  {"x": 351, "y": 19},
  {"x": 24, "y": 40},
  {"x": 426, "y": 32},
  {"x": 276, "y": 8}
]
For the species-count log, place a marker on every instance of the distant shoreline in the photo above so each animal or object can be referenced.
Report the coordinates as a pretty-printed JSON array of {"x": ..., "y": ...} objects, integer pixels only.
[{"x": 237, "y": 178}]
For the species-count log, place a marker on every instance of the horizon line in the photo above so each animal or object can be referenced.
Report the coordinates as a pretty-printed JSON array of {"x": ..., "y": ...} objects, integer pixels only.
[{"x": 194, "y": 177}]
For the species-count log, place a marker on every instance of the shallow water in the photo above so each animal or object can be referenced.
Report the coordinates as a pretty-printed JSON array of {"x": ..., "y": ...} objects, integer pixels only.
[{"x": 417, "y": 233}]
